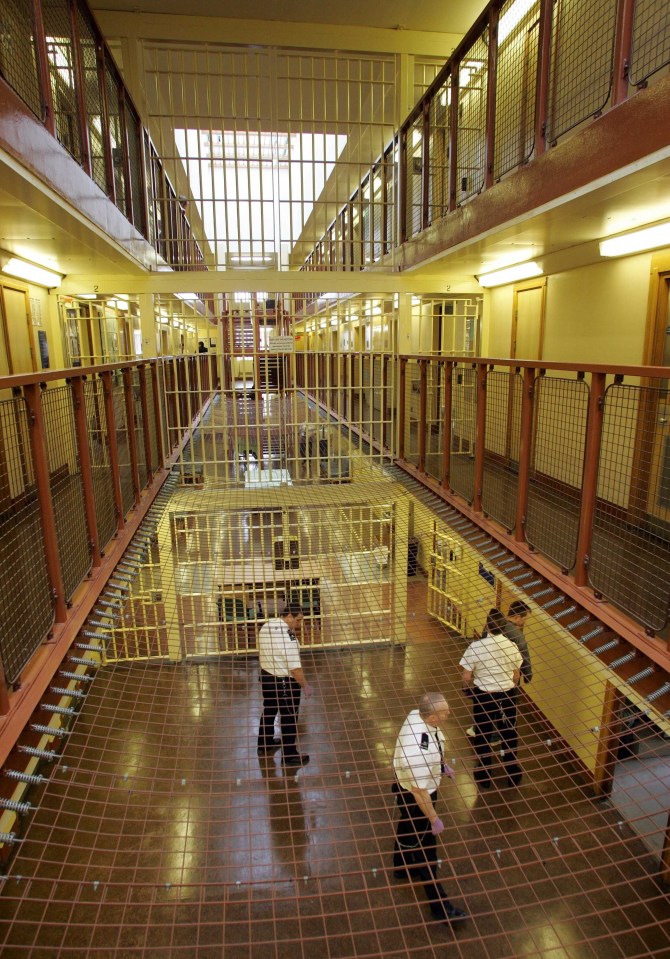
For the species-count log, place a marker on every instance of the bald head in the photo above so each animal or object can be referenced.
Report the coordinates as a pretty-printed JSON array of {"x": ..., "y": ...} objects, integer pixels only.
[{"x": 433, "y": 708}]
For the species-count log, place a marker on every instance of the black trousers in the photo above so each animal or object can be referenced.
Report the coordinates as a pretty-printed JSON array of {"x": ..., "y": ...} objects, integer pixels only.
[
  {"x": 495, "y": 712},
  {"x": 415, "y": 848},
  {"x": 281, "y": 696}
]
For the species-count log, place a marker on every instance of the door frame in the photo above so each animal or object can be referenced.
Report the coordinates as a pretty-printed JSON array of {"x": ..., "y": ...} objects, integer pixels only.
[
  {"x": 538, "y": 283},
  {"x": 4, "y": 319}
]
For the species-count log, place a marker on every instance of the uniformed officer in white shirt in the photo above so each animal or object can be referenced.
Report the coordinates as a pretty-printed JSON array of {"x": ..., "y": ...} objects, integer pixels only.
[
  {"x": 282, "y": 681},
  {"x": 419, "y": 765},
  {"x": 491, "y": 669}
]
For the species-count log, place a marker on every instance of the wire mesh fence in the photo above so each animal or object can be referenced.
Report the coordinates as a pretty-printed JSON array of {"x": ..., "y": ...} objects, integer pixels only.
[
  {"x": 518, "y": 34},
  {"x": 556, "y": 467},
  {"x": 501, "y": 456},
  {"x": 472, "y": 94},
  {"x": 26, "y": 606},
  {"x": 66, "y": 487},
  {"x": 98, "y": 444},
  {"x": 650, "y": 50},
  {"x": 140, "y": 427},
  {"x": 630, "y": 558},
  {"x": 463, "y": 431},
  {"x": 581, "y": 63}
]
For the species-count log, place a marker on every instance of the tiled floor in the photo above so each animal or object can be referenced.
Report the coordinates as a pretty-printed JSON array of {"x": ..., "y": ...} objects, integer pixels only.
[{"x": 161, "y": 834}]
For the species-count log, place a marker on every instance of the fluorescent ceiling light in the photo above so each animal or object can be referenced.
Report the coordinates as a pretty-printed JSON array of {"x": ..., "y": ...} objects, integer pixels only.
[
  {"x": 522, "y": 271},
  {"x": 637, "y": 241},
  {"x": 514, "y": 15},
  {"x": 187, "y": 297},
  {"x": 87, "y": 296},
  {"x": 33, "y": 274}
]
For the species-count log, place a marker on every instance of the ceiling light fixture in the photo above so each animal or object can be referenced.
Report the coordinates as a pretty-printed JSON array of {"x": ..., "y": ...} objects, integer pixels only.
[
  {"x": 32, "y": 273},
  {"x": 522, "y": 271},
  {"x": 636, "y": 242}
]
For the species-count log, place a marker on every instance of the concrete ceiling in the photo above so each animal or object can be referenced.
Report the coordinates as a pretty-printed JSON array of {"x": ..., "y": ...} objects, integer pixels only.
[{"x": 429, "y": 16}]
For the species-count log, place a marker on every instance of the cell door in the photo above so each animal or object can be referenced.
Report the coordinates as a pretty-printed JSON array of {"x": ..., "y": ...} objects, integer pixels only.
[
  {"x": 658, "y": 421},
  {"x": 21, "y": 347}
]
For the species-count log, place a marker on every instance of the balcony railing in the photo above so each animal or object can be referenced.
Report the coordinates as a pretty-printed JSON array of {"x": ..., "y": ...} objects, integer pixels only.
[
  {"x": 571, "y": 462},
  {"x": 77, "y": 450}
]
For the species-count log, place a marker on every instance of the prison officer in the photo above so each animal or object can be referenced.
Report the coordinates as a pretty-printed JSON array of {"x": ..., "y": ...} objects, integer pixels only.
[
  {"x": 282, "y": 681},
  {"x": 419, "y": 764}
]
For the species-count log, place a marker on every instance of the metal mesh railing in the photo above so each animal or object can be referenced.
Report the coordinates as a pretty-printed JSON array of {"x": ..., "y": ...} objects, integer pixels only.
[
  {"x": 556, "y": 467},
  {"x": 58, "y": 30},
  {"x": 17, "y": 52},
  {"x": 434, "y": 419},
  {"x": 515, "y": 85},
  {"x": 114, "y": 119},
  {"x": 630, "y": 556},
  {"x": 463, "y": 430},
  {"x": 153, "y": 425},
  {"x": 26, "y": 606},
  {"x": 123, "y": 445},
  {"x": 414, "y": 179},
  {"x": 472, "y": 93},
  {"x": 651, "y": 39},
  {"x": 66, "y": 487},
  {"x": 501, "y": 454},
  {"x": 438, "y": 200},
  {"x": 581, "y": 63},
  {"x": 139, "y": 429},
  {"x": 98, "y": 445},
  {"x": 412, "y": 411},
  {"x": 93, "y": 97}
]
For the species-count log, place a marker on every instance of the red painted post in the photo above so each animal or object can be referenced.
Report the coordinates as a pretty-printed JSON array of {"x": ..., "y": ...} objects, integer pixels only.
[
  {"x": 113, "y": 448},
  {"x": 425, "y": 166},
  {"x": 402, "y": 186},
  {"x": 525, "y": 451},
  {"x": 81, "y": 432},
  {"x": 491, "y": 86},
  {"x": 132, "y": 439},
  {"x": 480, "y": 437},
  {"x": 401, "y": 407},
  {"x": 157, "y": 411},
  {"x": 33, "y": 398},
  {"x": 594, "y": 429},
  {"x": 423, "y": 390},
  {"x": 622, "y": 50},
  {"x": 543, "y": 71},
  {"x": 446, "y": 424},
  {"x": 141, "y": 369},
  {"x": 80, "y": 88}
]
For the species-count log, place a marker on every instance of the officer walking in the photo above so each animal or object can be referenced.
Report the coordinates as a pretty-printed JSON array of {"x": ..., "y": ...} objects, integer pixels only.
[
  {"x": 419, "y": 764},
  {"x": 282, "y": 681}
]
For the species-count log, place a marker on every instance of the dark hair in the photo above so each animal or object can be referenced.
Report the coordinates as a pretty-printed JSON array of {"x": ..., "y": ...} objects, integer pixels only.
[
  {"x": 293, "y": 609},
  {"x": 495, "y": 621},
  {"x": 518, "y": 608}
]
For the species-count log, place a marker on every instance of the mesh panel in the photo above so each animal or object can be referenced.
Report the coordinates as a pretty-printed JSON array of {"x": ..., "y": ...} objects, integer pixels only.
[
  {"x": 581, "y": 62},
  {"x": 134, "y": 132},
  {"x": 153, "y": 425},
  {"x": 414, "y": 220},
  {"x": 438, "y": 202},
  {"x": 26, "y": 608},
  {"x": 116, "y": 134},
  {"x": 556, "y": 468},
  {"x": 651, "y": 39},
  {"x": 92, "y": 96},
  {"x": 58, "y": 32},
  {"x": 98, "y": 445},
  {"x": 630, "y": 556},
  {"x": 463, "y": 429},
  {"x": 472, "y": 87},
  {"x": 66, "y": 487},
  {"x": 162, "y": 398},
  {"x": 17, "y": 52},
  {"x": 434, "y": 419},
  {"x": 501, "y": 455},
  {"x": 139, "y": 429},
  {"x": 412, "y": 411},
  {"x": 123, "y": 443},
  {"x": 515, "y": 85}
]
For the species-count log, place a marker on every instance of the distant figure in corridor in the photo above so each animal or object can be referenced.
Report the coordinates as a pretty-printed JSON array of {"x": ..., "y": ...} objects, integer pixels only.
[
  {"x": 419, "y": 765},
  {"x": 201, "y": 347},
  {"x": 491, "y": 669},
  {"x": 282, "y": 682}
]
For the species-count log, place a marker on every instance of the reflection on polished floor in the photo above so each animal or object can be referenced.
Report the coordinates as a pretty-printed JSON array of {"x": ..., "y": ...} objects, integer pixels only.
[{"x": 161, "y": 834}]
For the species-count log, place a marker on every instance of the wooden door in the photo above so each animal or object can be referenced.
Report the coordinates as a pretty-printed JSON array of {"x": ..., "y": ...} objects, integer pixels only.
[
  {"x": 20, "y": 345},
  {"x": 527, "y": 342}
]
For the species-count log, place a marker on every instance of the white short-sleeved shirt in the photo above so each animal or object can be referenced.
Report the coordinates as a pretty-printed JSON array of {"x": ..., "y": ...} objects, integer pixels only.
[
  {"x": 492, "y": 661},
  {"x": 419, "y": 754},
  {"x": 278, "y": 650}
]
